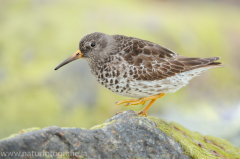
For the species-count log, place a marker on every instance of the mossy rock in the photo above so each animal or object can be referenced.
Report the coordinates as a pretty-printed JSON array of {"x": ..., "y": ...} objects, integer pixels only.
[{"x": 126, "y": 135}]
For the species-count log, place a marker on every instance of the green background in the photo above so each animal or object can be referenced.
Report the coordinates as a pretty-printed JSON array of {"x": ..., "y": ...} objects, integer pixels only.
[{"x": 36, "y": 35}]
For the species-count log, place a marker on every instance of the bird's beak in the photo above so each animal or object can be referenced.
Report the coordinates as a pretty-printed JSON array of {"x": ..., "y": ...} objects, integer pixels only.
[{"x": 75, "y": 56}]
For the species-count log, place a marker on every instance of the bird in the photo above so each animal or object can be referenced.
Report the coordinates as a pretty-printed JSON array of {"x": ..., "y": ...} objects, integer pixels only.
[{"x": 137, "y": 68}]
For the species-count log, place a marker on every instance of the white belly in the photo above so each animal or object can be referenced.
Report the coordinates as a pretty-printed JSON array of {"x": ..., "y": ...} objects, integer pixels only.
[{"x": 139, "y": 89}]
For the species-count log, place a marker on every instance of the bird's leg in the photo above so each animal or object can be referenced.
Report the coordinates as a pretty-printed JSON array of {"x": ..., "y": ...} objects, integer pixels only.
[
  {"x": 142, "y": 101},
  {"x": 143, "y": 112}
]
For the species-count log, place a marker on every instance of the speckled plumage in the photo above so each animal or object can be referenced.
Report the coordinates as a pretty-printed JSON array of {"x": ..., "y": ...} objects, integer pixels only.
[{"x": 137, "y": 68}]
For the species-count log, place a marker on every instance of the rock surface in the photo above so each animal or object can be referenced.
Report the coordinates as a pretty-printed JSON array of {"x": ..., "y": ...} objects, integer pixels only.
[{"x": 126, "y": 135}]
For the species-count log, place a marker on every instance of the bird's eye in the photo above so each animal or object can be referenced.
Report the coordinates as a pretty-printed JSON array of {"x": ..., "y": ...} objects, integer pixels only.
[{"x": 93, "y": 44}]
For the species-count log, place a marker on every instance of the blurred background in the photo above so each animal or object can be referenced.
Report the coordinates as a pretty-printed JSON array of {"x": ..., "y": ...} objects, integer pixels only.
[{"x": 36, "y": 35}]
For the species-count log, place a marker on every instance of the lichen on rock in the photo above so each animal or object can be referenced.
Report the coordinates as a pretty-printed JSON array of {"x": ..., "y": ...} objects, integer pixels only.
[
  {"x": 126, "y": 135},
  {"x": 195, "y": 144}
]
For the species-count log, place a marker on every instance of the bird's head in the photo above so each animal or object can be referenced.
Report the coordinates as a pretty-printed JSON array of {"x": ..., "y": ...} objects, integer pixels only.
[{"x": 90, "y": 47}]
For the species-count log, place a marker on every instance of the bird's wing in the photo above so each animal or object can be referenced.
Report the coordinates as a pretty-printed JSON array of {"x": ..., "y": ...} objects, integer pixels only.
[{"x": 149, "y": 61}]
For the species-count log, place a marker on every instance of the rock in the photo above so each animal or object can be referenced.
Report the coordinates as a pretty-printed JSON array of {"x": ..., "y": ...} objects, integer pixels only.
[{"x": 126, "y": 135}]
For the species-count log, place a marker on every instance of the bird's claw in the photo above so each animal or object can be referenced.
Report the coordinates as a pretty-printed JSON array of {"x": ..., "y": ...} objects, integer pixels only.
[
  {"x": 127, "y": 104},
  {"x": 142, "y": 113}
]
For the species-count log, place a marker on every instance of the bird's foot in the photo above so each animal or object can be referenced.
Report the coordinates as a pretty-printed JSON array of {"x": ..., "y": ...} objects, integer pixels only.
[
  {"x": 132, "y": 102},
  {"x": 142, "y": 101},
  {"x": 142, "y": 113}
]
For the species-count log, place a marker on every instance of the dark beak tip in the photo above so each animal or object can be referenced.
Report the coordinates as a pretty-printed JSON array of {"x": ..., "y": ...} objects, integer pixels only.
[
  {"x": 56, "y": 68},
  {"x": 70, "y": 59},
  {"x": 59, "y": 66}
]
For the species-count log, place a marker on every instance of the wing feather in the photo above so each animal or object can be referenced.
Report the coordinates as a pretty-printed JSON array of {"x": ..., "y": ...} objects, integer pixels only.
[{"x": 155, "y": 62}]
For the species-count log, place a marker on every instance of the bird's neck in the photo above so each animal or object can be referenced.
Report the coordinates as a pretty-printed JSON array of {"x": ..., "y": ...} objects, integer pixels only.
[{"x": 96, "y": 64}]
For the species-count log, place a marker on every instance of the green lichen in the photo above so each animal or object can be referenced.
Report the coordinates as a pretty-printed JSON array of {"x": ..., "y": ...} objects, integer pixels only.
[
  {"x": 101, "y": 125},
  {"x": 29, "y": 130},
  {"x": 197, "y": 145},
  {"x": 22, "y": 131}
]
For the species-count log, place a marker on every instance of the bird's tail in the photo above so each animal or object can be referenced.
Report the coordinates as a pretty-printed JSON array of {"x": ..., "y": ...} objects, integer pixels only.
[
  {"x": 212, "y": 62},
  {"x": 194, "y": 63}
]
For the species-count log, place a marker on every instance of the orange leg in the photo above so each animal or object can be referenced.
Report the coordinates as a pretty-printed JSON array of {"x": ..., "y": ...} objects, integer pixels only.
[
  {"x": 142, "y": 101},
  {"x": 144, "y": 111}
]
